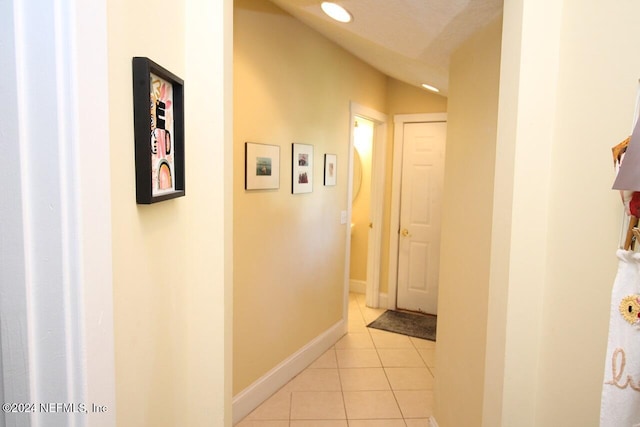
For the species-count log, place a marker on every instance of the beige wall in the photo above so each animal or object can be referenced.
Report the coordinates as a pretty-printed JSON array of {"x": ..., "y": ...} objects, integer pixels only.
[
  {"x": 276, "y": 74},
  {"x": 466, "y": 228},
  {"x": 403, "y": 98},
  {"x": 556, "y": 221},
  {"x": 549, "y": 377},
  {"x": 528, "y": 96},
  {"x": 291, "y": 85},
  {"x": 170, "y": 260},
  {"x": 581, "y": 263}
]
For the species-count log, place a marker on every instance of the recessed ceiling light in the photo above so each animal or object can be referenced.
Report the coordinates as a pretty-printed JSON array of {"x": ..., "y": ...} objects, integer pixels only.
[
  {"x": 431, "y": 88},
  {"x": 336, "y": 12}
]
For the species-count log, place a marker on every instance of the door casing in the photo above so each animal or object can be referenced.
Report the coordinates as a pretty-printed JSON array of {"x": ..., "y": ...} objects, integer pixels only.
[
  {"x": 398, "y": 137},
  {"x": 377, "y": 201}
]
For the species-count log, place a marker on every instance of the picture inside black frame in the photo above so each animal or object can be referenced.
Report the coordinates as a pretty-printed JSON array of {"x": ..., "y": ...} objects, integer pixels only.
[{"x": 158, "y": 98}]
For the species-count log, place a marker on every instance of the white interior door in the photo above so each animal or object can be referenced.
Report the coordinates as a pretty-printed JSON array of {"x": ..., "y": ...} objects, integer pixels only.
[{"x": 420, "y": 216}]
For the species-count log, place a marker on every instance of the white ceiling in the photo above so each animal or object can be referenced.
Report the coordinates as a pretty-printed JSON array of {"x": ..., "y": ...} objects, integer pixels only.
[{"x": 410, "y": 40}]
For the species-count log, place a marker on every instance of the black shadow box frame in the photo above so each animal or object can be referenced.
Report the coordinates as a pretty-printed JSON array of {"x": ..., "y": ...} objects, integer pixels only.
[{"x": 154, "y": 171}]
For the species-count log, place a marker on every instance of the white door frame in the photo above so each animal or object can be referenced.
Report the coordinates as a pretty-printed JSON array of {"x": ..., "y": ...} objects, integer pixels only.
[
  {"x": 377, "y": 198},
  {"x": 55, "y": 266},
  {"x": 399, "y": 120}
]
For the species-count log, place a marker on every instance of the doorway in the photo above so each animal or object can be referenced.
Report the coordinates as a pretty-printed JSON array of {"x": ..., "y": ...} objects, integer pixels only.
[
  {"x": 418, "y": 173},
  {"x": 363, "y": 130},
  {"x": 372, "y": 127}
]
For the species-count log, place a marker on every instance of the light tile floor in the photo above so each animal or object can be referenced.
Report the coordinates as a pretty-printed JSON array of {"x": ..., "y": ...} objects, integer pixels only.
[{"x": 369, "y": 378}]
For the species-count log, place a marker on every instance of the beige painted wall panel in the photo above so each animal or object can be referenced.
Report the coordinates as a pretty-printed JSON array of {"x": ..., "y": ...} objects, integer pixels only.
[
  {"x": 290, "y": 85},
  {"x": 168, "y": 258},
  {"x": 594, "y": 112},
  {"x": 520, "y": 233},
  {"x": 564, "y": 231},
  {"x": 148, "y": 318},
  {"x": 466, "y": 228},
  {"x": 404, "y": 98}
]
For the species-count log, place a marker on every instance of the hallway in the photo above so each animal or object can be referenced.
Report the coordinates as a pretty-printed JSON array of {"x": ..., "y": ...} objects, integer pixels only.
[{"x": 370, "y": 378}]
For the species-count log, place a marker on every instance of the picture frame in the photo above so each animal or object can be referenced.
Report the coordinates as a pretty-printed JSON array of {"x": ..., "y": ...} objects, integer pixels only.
[
  {"x": 261, "y": 166},
  {"x": 301, "y": 168},
  {"x": 158, "y": 121},
  {"x": 330, "y": 169}
]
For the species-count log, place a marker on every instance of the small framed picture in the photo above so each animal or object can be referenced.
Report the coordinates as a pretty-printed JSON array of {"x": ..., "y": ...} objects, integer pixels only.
[
  {"x": 158, "y": 117},
  {"x": 330, "y": 169},
  {"x": 261, "y": 166},
  {"x": 302, "y": 168}
]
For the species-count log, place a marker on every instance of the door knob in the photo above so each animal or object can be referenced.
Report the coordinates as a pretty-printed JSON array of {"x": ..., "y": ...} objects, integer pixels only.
[{"x": 405, "y": 233}]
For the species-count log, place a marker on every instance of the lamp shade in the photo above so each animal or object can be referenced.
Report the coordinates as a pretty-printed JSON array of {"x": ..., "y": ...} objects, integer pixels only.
[{"x": 628, "y": 177}]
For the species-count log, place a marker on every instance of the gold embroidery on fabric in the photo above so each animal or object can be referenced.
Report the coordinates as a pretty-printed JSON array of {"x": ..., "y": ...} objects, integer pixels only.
[
  {"x": 630, "y": 309},
  {"x": 617, "y": 369}
]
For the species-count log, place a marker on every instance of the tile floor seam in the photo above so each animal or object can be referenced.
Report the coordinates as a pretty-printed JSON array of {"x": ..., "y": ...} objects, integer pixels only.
[
  {"x": 290, "y": 405},
  {"x": 344, "y": 403}
]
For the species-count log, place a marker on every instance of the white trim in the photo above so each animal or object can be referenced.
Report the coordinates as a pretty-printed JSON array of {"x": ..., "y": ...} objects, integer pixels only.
[
  {"x": 358, "y": 286},
  {"x": 383, "y": 299},
  {"x": 94, "y": 193},
  {"x": 13, "y": 289},
  {"x": 399, "y": 120},
  {"x": 376, "y": 211},
  {"x": 251, "y": 397},
  {"x": 347, "y": 222},
  {"x": 366, "y": 112},
  {"x": 56, "y": 299},
  {"x": 433, "y": 422},
  {"x": 377, "y": 199}
]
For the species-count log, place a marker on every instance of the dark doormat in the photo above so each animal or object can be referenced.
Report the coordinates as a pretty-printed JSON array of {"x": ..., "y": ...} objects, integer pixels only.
[{"x": 406, "y": 323}]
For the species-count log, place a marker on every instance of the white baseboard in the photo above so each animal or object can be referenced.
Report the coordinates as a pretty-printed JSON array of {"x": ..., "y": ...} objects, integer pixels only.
[
  {"x": 432, "y": 422},
  {"x": 357, "y": 286},
  {"x": 251, "y": 397},
  {"x": 383, "y": 301},
  {"x": 360, "y": 287}
]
